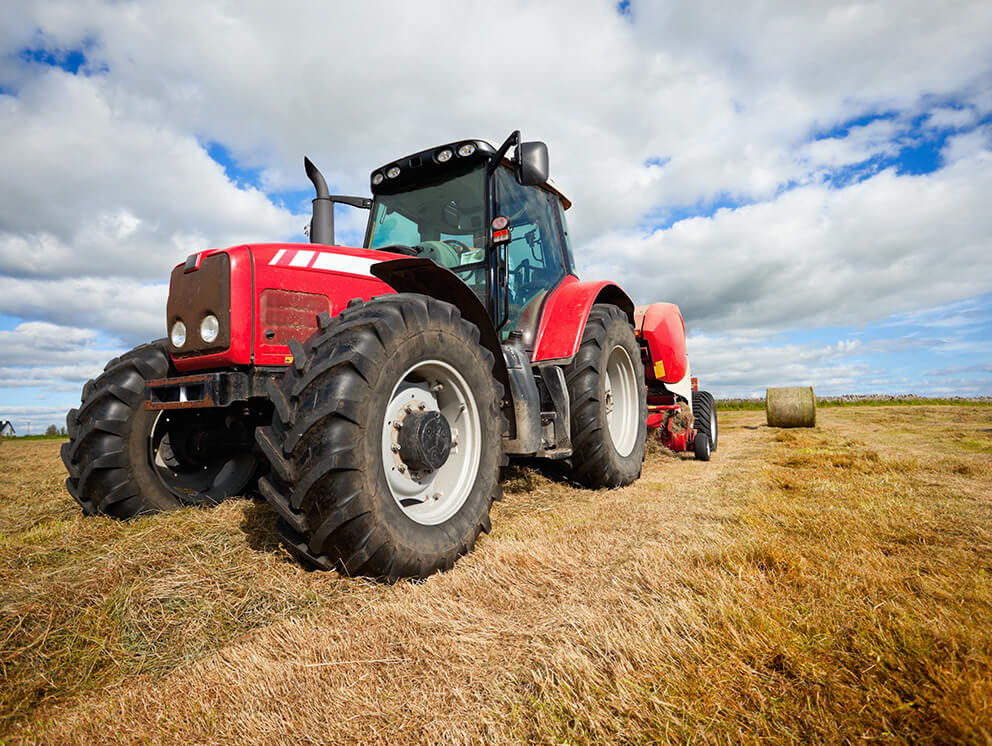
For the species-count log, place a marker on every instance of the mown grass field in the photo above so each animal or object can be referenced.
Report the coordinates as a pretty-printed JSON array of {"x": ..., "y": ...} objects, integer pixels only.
[{"x": 828, "y": 585}]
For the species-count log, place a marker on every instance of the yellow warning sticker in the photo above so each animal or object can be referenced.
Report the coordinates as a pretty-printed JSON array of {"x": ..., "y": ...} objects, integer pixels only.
[
  {"x": 289, "y": 358},
  {"x": 659, "y": 369}
]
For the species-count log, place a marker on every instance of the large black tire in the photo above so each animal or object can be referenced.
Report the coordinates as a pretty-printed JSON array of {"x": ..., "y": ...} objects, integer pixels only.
[
  {"x": 115, "y": 444},
  {"x": 704, "y": 416},
  {"x": 329, "y": 479},
  {"x": 598, "y": 459},
  {"x": 107, "y": 452}
]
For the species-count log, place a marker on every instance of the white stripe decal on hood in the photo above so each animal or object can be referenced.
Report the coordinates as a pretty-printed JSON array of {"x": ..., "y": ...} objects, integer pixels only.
[{"x": 355, "y": 265}]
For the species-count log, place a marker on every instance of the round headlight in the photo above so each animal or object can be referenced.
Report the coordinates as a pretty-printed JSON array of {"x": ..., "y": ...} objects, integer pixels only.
[
  {"x": 376, "y": 178},
  {"x": 393, "y": 172},
  {"x": 178, "y": 334},
  {"x": 443, "y": 156},
  {"x": 209, "y": 328},
  {"x": 466, "y": 149}
]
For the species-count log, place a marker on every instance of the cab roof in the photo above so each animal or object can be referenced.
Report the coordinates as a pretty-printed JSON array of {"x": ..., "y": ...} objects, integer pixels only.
[{"x": 484, "y": 149}]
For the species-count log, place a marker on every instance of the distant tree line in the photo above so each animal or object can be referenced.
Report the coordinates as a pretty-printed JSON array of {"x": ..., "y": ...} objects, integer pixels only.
[{"x": 52, "y": 431}]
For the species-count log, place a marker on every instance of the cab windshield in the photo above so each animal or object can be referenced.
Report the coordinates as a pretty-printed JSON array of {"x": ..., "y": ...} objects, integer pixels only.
[{"x": 443, "y": 220}]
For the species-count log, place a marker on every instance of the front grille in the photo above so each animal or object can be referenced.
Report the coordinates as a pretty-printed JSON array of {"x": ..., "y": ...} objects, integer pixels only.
[{"x": 192, "y": 295}]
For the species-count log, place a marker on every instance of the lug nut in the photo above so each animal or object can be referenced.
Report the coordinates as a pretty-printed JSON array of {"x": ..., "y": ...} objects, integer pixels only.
[
  {"x": 421, "y": 406},
  {"x": 401, "y": 469},
  {"x": 395, "y": 447}
]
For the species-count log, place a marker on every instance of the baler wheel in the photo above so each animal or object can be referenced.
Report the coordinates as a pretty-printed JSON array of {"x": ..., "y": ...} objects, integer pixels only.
[
  {"x": 704, "y": 416},
  {"x": 120, "y": 456},
  {"x": 608, "y": 402},
  {"x": 386, "y": 441},
  {"x": 701, "y": 447}
]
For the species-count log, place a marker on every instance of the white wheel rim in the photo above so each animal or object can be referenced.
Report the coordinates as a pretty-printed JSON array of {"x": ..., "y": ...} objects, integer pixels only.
[
  {"x": 433, "y": 497},
  {"x": 712, "y": 426},
  {"x": 620, "y": 398}
]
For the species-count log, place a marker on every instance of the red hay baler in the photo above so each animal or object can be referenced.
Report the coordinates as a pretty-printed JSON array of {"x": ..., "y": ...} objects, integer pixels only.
[{"x": 372, "y": 394}]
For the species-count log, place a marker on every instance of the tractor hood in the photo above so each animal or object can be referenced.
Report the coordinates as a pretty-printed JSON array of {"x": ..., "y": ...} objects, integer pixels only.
[{"x": 262, "y": 296}]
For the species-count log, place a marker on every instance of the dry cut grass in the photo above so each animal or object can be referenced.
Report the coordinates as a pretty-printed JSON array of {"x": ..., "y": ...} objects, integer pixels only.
[{"x": 807, "y": 585}]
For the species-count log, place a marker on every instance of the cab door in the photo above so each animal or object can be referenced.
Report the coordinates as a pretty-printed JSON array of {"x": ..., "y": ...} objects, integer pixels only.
[{"x": 533, "y": 262}]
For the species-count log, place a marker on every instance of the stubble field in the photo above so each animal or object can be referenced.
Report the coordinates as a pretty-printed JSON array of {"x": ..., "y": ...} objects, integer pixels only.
[{"x": 824, "y": 585}]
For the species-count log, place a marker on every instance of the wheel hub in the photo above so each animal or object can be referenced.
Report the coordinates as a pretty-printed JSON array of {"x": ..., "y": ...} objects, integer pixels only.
[
  {"x": 425, "y": 440},
  {"x": 431, "y": 442}
]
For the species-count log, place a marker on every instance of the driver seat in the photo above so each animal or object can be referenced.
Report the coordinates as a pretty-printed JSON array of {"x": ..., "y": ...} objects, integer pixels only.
[{"x": 440, "y": 252}]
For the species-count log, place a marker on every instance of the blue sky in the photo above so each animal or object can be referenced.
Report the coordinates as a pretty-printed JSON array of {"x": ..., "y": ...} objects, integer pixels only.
[{"x": 807, "y": 183}]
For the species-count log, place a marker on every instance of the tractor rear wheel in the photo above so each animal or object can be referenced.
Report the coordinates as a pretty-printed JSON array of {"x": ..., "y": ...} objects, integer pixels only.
[
  {"x": 125, "y": 461},
  {"x": 704, "y": 416},
  {"x": 608, "y": 402},
  {"x": 386, "y": 441}
]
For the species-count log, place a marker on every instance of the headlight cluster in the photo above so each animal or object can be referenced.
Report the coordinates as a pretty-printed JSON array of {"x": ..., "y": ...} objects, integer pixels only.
[
  {"x": 209, "y": 331},
  {"x": 442, "y": 155}
]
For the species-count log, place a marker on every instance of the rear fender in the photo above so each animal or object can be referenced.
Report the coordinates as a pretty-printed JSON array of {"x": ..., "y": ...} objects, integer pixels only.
[{"x": 565, "y": 314}]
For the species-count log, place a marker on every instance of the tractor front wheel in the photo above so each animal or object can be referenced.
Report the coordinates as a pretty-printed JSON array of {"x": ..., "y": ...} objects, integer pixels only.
[
  {"x": 125, "y": 461},
  {"x": 608, "y": 402},
  {"x": 386, "y": 441}
]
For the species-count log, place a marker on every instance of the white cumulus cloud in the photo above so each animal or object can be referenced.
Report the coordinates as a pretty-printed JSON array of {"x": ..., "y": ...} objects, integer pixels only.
[{"x": 652, "y": 118}]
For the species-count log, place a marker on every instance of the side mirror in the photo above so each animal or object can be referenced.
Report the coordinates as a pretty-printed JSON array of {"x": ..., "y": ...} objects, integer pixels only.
[{"x": 532, "y": 163}]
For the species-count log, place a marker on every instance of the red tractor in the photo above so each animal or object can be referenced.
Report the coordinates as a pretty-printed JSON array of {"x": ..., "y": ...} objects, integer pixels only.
[{"x": 372, "y": 394}]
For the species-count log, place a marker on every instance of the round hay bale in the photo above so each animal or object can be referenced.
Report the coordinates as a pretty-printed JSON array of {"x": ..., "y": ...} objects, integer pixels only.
[{"x": 790, "y": 407}]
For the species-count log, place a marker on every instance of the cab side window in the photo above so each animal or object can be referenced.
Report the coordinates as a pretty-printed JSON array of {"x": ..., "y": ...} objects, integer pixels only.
[
  {"x": 569, "y": 256},
  {"x": 535, "y": 252}
]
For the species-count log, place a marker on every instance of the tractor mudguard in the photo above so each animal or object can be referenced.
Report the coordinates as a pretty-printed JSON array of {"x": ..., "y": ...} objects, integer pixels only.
[
  {"x": 418, "y": 275},
  {"x": 660, "y": 325},
  {"x": 565, "y": 314}
]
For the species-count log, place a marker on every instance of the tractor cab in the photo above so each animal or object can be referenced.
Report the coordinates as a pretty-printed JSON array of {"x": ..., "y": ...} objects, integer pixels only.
[{"x": 495, "y": 222}]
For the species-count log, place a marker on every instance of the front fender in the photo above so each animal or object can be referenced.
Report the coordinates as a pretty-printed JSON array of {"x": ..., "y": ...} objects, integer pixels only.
[
  {"x": 418, "y": 275},
  {"x": 566, "y": 312}
]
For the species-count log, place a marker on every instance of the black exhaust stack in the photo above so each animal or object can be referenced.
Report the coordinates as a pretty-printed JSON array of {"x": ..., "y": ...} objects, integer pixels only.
[{"x": 322, "y": 222}]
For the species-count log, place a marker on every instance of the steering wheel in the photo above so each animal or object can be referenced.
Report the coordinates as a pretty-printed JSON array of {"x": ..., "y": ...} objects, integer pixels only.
[
  {"x": 456, "y": 245},
  {"x": 401, "y": 248}
]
